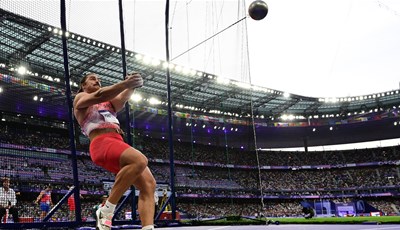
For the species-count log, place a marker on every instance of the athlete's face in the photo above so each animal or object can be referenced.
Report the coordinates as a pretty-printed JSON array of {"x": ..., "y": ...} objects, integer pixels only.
[{"x": 92, "y": 83}]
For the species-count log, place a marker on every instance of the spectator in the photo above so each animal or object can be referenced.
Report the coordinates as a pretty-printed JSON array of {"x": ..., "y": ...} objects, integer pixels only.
[{"x": 8, "y": 200}]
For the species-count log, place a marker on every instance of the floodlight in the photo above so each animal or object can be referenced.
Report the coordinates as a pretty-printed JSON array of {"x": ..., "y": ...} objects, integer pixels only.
[
  {"x": 243, "y": 85},
  {"x": 286, "y": 94},
  {"x": 186, "y": 70},
  {"x": 222, "y": 80},
  {"x": 155, "y": 62},
  {"x": 178, "y": 68},
  {"x": 139, "y": 56},
  {"x": 154, "y": 101},
  {"x": 147, "y": 60},
  {"x": 136, "y": 97},
  {"x": 22, "y": 70}
]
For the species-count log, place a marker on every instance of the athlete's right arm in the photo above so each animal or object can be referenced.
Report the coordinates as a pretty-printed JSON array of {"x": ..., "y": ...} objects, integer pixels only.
[{"x": 84, "y": 100}]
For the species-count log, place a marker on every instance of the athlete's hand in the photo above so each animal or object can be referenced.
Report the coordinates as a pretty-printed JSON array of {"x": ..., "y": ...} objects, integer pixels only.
[{"x": 134, "y": 80}]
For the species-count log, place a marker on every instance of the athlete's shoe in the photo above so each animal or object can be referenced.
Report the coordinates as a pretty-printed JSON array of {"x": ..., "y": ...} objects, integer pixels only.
[{"x": 103, "y": 222}]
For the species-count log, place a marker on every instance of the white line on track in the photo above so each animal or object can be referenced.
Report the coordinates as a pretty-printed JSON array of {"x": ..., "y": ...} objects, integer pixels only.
[
  {"x": 218, "y": 228},
  {"x": 397, "y": 227}
]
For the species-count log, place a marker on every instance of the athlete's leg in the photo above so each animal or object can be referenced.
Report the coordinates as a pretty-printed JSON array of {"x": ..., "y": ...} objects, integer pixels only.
[
  {"x": 132, "y": 163},
  {"x": 146, "y": 185}
]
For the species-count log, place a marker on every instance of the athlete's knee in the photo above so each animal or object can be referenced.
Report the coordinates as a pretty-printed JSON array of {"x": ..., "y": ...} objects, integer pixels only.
[
  {"x": 141, "y": 163},
  {"x": 137, "y": 167},
  {"x": 137, "y": 160}
]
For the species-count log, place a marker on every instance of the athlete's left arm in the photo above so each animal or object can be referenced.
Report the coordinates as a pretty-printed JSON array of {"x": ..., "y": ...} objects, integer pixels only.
[{"x": 119, "y": 101}]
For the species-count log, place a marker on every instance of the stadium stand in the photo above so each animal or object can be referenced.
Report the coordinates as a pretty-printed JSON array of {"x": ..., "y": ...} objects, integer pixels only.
[{"x": 202, "y": 172}]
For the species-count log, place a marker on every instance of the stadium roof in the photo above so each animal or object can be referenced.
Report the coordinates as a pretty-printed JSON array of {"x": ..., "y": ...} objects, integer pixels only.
[{"x": 37, "y": 47}]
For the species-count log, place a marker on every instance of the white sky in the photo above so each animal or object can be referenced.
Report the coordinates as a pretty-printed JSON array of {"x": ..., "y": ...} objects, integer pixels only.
[{"x": 320, "y": 48}]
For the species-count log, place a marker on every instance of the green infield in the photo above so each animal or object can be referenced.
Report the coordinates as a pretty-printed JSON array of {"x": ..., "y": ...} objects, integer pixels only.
[
  {"x": 237, "y": 220},
  {"x": 341, "y": 220}
]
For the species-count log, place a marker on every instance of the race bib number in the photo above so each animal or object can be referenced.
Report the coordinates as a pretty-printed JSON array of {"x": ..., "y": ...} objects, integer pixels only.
[{"x": 108, "y": 117}]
